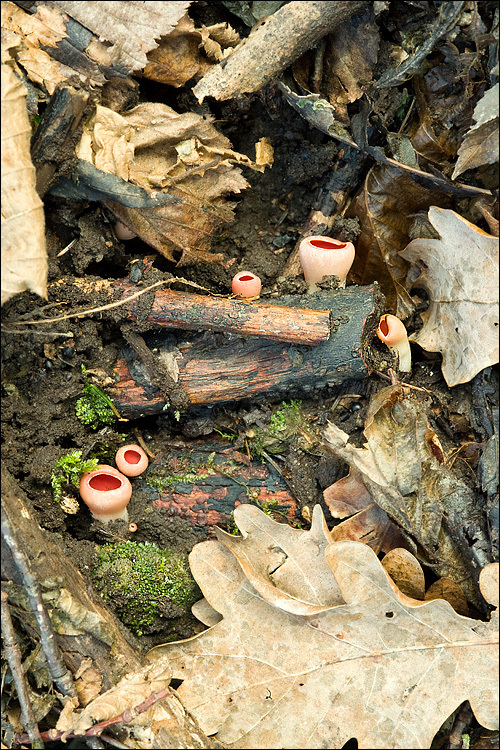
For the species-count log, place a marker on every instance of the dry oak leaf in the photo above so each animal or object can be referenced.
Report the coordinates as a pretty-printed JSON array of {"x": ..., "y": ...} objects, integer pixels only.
[
  {"x": 276, "y": 560},
  {"x": 24, "y": 256},
  {"x": 382, "y": 668},
  {"x": 480, "y": 145},
  {"x": 460, "y": 274}
]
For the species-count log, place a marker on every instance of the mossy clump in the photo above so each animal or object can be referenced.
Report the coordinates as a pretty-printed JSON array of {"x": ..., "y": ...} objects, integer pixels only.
[
  {"x": 93, "y": 407},
  {"x": 141, "y": 579},
  {"x": 68, "y": 470}
]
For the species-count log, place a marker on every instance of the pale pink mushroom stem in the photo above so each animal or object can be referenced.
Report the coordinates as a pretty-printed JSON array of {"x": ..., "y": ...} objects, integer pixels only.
[
  {"x": 246, "y": 284},
  {"x": 393, "y": 333},
  {"x": 323, "y": 256},
  {"x": 107, "y": 493}
]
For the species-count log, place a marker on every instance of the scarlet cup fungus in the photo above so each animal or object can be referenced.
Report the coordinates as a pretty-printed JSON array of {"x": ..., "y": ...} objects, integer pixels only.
[
  {"x": 393, "y": 333},
  {"x": 107, "y": 493},
  {"x": 131, "y": 460},
  {"x": 246, "y": 284},
  {"x": 323, "y": 256}
]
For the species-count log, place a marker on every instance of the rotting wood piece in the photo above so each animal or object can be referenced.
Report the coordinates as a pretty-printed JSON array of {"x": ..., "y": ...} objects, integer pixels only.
[
  {"x": 210, "y": 372},
  {"x": 200, "y": 312}
]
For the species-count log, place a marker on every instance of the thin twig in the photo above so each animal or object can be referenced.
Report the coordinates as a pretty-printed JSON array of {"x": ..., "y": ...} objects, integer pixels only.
[
  {"x": 14, "y": 660},
  {"x": 60, "y": 674},
  {"x": 126, "y": 717},
  {"x": 462, "y": 719},
  {"x": 111, "y": 305}
]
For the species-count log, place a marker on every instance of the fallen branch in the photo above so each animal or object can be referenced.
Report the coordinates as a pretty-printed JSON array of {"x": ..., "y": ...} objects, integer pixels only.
[
  {"x": 200, "y": 312},
  {"x": 208, "y": 372},
  {"x": 273, "y": 46}
]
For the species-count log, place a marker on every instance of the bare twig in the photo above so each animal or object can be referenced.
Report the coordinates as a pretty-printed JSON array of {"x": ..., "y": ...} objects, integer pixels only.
[
  {"x": 96, "y": 730},
  {"x": 60, "y": 674},
  {"x": 462, "y": 719},
  {"x": 13, "y": 656}
]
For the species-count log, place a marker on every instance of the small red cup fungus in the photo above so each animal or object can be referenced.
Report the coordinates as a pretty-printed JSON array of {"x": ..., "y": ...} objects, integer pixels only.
[
  {"x": 106, "y": 492},
  {"x": 246, "y": 284},
  {"x": 393, "y": 333},
  {"x": 323, "y": 256},
  {"x": 131, "y": 460}
]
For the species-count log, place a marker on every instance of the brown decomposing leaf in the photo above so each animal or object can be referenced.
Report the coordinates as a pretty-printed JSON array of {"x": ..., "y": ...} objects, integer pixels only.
[
  {"x": 480, "y": 145},
  {"x": 184, "y": 155},
  {"x": 406, "y": 572},
  {"x": 24, "y": 257},
  {"x": 179, "y": 57},
  {"x": 384, "y": 207},
  {"x": 402, "y": 469},
  {"x": 377, "y": 668},
  {"x": 368, "y": 523},
  {"x": 445, "y": 588},
  {"x": 459, "y": 271},
  {"x": 350, "y": 56}
]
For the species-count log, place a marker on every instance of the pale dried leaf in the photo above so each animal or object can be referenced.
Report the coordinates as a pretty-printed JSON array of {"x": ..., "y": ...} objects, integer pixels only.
[
  {"x": 406, "y": 572},
  {"x": 278, "y": 560},
  {"x": 24, "y": 257},
  {"x": 480, "y": 146},
  {"x": 131, "y": 27},
  {"x": 205, "y": 613},
  {"x": 461, "y": 278},
  {"x": 45, "y": 28},
  {"x": 376, "y": 668}
]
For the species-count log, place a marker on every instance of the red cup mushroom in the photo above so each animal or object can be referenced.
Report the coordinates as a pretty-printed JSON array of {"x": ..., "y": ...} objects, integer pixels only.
[
  {"x": 323, "y": 256},
  {"x": 393, "y": 333},
  {"x": 131, "y": 460},
  {"x": 106, "y": 492},
  {"x": 246, "y": 284}
]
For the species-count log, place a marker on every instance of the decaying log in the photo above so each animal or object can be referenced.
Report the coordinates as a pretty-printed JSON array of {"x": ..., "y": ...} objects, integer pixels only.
[
  {"x": 200, "y": 312},
  {"x": 211, "y": 372},
  {"x": 99, "y": 644}
]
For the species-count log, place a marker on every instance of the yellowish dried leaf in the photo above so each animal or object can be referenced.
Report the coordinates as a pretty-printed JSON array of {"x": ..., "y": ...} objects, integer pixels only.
[{"x": 24, "y": 257}]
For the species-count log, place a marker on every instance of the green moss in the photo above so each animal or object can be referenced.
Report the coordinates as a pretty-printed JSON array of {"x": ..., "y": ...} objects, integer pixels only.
[
  {"x": 138, "y": 577},
  {"x": 190, "y": 473},
  {"x": 94, "y": 407},
  {"x": 68, "y": 470},
  {"x": 285, "y": 423}
]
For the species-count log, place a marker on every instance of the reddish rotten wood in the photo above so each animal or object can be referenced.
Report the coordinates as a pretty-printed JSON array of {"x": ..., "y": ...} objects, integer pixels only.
[
  {"x": 210, "y": 372},
  {"x": 200, "y": 312}
]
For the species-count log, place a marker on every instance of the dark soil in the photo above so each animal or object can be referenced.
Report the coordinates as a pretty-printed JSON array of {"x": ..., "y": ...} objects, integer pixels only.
[{"x": 41, "y": 372}]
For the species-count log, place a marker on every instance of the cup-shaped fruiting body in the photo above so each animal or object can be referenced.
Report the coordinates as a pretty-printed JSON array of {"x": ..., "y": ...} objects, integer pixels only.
[
  {"x": 393, "y": 333},
  {"x": 246, "y": 284},
  {"x": 123, "y": 232},
  {"x": 323, "y": 256},
  {"x": 106, "y": 492},
  {"x": 131, "y": 460}
]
